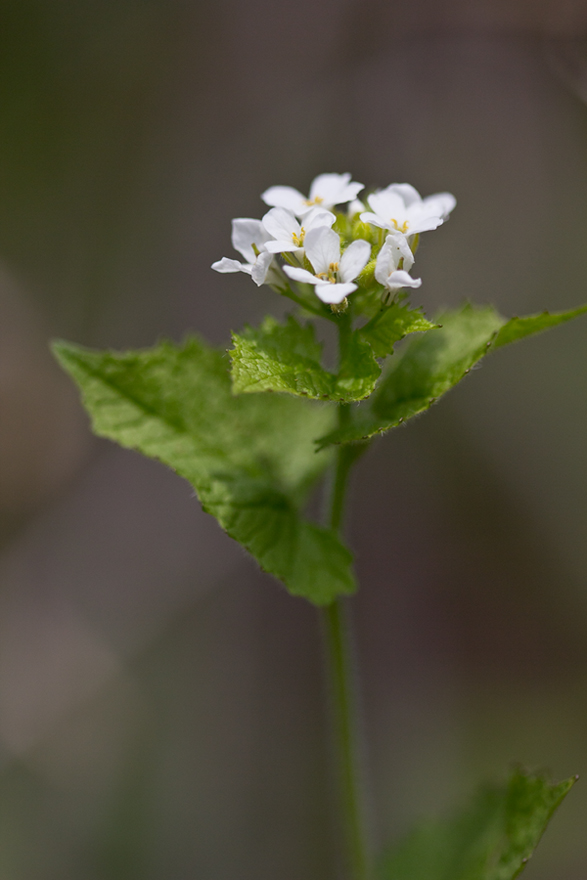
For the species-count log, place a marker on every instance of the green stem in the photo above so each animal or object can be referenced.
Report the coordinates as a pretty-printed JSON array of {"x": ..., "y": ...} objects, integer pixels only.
[{"x": 342, "y": 675}]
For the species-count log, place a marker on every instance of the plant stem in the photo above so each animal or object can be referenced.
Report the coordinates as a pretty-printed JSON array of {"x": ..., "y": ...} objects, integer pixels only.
[
  {"x": 343, "y": 694},
  {"x": 345, "y": 730}
]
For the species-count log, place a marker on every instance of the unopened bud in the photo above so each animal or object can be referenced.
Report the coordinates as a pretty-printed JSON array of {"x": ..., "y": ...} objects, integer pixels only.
[{"x": 339, "y": 308}]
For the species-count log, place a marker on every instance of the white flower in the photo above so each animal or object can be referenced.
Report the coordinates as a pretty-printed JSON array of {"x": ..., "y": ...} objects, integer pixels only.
[
  {"x": 289, "y": 235},
  {"x": 355, "y": 207},
  {"x": 395, "y": 249},
  {"x": 326, "y": 191},
  {"x": 401, "y": 208},
  {"x": 333, "y": 274},
  {"x": 249, "y": 238}
]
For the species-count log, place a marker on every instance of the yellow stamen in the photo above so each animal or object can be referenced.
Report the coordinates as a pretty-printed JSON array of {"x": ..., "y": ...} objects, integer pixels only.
[
  {"x": 330, "y": 275},
  {"x": 298, "y": 240},
  {"x": 403, "y": 228},
  {"x": 317, "y": 200}
]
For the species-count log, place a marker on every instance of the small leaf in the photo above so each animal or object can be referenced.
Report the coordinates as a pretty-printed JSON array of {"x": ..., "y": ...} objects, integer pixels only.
[
  {"x": 286, "y": 357},
  {"x": 491, "y": 840},
  {"x": 391, "y": 325},
  {"x": 278, "y": 357},
  {"x": 251, "y": 459},
  {"x": 432, "y": 364}
]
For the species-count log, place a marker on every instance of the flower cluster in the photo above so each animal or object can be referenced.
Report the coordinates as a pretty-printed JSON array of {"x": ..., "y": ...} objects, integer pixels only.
[{"x": 300, "y": 230}]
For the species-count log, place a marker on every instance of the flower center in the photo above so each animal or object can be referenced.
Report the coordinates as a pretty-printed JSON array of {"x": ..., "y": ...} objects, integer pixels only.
[
  {"x": 403, "y": 228},
  {"x": 298, "y": 240},
  {"x": 317, "y": 200},
  {"x": 330, "y": 275}
]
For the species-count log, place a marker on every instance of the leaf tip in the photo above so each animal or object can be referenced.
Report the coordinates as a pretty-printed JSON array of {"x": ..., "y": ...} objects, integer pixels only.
[{"x": 63, "y": 351}]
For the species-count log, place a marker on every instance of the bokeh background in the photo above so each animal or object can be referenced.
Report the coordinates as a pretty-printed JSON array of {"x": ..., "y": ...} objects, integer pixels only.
[{"x": 161, "y": 701}]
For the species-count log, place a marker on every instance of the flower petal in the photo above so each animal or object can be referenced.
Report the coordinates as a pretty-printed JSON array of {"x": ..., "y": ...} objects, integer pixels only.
[
  {"x": 300, "y": 275},
  {"x": 285, "y": 197},
  {"x": 407, "y": 193},
  {"x": 400, "y": 279},
  {"x": 387, "y": 204},
  {"x": 355, "y": 207},
  {"x": 260, "y": 268},
  {"x": 322, "y": 246},
  {"x": 351, "y": 191},
  {"x": 446, "y": 202},
  {"x": 333, "y": 293},
  {"x": 245, "y": 233},
  {"x": 396, "y": 248},
  {"x": 333, "y": 189},
  {"x": 317, "y": 217},
  {"x": 423, "y": 224},
  {"x": 280, "y": 247},
  {"x": 281, "y": 223},
  {"x": 354, "y": 260},
  {"x": 375, "y": 220},
  {"x": 226, "y": 265},
  {"x": 385, "y": 262},
  {"x": 403, "y": 249},
  {"x": 328, "y": 186}
]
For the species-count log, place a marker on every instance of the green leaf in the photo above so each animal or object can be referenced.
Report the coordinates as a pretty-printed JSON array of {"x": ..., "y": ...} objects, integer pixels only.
[
  {"x": 432, "y": 364},
  {"x": 286, "y": 357},
  {"x": 251, "y": 459},
  {"x": 518, "y": 328},
  {"x": 358, "y": 371},
  {"x": 491, "y": 840},
  {"x": 391, "y": 325}
]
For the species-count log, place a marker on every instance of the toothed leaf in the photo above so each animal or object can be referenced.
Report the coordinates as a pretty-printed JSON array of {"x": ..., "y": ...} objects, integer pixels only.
[
  {"x": 286, "y": 357},
  {"x": 491, "y": 840},
  {"x": 250, "y": 459},
  {"x": 384, "y": 330},
  {"x": 430, "y": 365}
]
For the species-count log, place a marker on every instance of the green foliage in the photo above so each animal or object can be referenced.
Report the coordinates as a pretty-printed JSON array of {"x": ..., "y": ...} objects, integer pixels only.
[
  {"x": 491, "y": 840},
  {"x": 390, "y": 325},
  {"x": 251, "y": 459},
  {"x": 286, "y": 357},
  {"x": 431, "y": 364},
  {"x": 518, "y": 328}
]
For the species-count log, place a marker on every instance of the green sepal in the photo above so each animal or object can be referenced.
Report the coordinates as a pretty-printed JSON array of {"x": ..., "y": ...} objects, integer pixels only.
[
  {"x": 342, "y": 225},
  {"x": 491, "y": 840},
  {"x": 286, "y": 357},
  {"x": 364, "y": 230},
  {"x": 250, "y": 459},
  {"x": 431, "y": 364},
  {"x": 366, "y": 278},
  {"x": 392, "y": 324}
]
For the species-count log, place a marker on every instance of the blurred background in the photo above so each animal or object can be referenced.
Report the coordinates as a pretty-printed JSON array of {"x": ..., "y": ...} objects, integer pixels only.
[{"x": 161, "y": 701}]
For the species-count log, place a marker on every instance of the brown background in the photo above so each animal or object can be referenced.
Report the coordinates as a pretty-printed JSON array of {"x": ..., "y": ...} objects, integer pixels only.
[{"x": 161, "y": 702}]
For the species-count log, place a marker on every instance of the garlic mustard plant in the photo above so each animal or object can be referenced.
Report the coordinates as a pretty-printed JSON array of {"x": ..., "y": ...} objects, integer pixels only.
[{"x": 253, "y": 457}]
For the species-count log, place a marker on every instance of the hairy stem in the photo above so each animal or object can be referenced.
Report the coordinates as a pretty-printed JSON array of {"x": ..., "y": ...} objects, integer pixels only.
[{"x": 342, "y": 674}]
